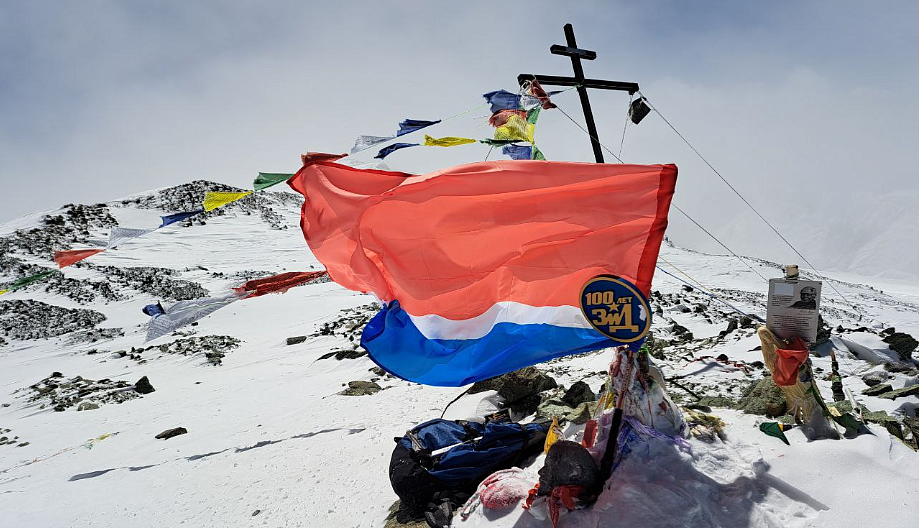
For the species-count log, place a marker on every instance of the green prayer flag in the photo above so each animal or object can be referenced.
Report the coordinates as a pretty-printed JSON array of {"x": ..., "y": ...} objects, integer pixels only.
[
  {"x": 533, "y": 115},
  {"x": 25, "y": 281},
  {"x": 773, "y": 429},
  {"x": 848, "y": 421},
  {"x": 537, "y": 154},
  {"x": 268, "y": 179}
]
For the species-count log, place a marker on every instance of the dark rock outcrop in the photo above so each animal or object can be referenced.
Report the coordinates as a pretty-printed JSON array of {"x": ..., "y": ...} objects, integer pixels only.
[
  {"x": 361, "y": 388},
  {"x": 520, "y": 389},
  {"x": 763, "y": 397},
  {"x": 143, "y": 386},
  {"x": 912, "y": 390},
  {"x": 875, "y": 378},
  {"x": 578, "y": 393},
  {"x": 169, "y": 433},
  {"x": 27, "y": 319},
  {"x": 877, "y": 390},
  {"x": 61, "y": 393},
  {"x": 901, "y": 343}
]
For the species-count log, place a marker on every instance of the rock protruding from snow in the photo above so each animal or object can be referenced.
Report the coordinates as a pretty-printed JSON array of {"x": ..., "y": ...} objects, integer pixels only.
[
  {"x": 73, "y": 225},
  {"x": 159, "y": 282},
  {"x": 875, "y": 377},
  {"x": 60, "y": 393},
  {"x": 901, "y": 343},
  {"x": 578, "y": 393},
  {"x": 520, "y": 388},
  {"x": 7, "y": 438},
  {"x": 169, "y": 433},
  {"x": 877, "y": 390},
  {"x": 763, "y": 397},
  {"x": 361, "y": 388},
  {"x": 899, "y": 393},
  {"x": 143, "y": 386},
  {"x": 214, "y": 347}
]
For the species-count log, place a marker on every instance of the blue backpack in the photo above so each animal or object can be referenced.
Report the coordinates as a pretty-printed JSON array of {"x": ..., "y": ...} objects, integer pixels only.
[{"x": 447, "y": 458}]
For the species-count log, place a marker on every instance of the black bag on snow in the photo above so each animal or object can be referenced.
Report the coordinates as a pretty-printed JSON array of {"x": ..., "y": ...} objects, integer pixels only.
[{"x": 421, "y": 469}]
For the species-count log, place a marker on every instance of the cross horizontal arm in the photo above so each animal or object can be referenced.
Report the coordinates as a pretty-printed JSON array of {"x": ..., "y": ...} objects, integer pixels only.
[
  {"x": 553, "y": 80},
  {"x": 568, "y": 51}
]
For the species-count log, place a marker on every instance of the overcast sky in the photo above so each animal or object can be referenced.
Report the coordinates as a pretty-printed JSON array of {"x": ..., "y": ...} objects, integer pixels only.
[{"x": 808, "y": 108}]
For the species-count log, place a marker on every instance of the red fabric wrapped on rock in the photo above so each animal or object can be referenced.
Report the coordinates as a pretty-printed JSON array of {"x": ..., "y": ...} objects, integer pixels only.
[{"x": 787, "y": 362}]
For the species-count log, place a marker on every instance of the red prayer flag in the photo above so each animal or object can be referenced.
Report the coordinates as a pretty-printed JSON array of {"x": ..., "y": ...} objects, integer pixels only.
[
  {"x": 500, "y": 117},
  {"x": 541, "y": 94},
  {"x": 312, "y": 157},
  {"x": 278, "y": 283},
  {"x": 66, "y": 258}
]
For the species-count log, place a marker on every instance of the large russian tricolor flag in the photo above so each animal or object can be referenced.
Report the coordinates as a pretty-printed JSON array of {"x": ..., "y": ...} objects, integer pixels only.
[{"x": 480, "y": 266}]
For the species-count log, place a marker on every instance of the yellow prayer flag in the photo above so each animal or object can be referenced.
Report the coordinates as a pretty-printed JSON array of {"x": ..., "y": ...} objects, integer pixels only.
[
  {"x": 554, "y": 435},
  {"x": 516, "y": 129},
  {"x": 3, "y": 291},
  {"x": 448, "y": 141},
  {"x": 213, "y": 200}
]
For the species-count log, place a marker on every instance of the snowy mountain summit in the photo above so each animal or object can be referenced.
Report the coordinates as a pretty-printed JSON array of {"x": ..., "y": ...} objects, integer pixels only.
[{"x": 268, "y": 412}]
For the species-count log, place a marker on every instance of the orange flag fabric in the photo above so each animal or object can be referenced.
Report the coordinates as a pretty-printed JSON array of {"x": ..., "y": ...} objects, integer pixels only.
[{"x": 480, "y": 266}]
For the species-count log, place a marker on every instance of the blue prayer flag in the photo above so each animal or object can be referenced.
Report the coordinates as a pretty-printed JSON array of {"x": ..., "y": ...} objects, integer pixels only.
[
  {"x": 411, "y": 125},
  {"x": 178, "y": 217},
  {"x": 502, "y": 100},
  {"x": 389, "y": 149},
  {"x": 518, "y": 152}
]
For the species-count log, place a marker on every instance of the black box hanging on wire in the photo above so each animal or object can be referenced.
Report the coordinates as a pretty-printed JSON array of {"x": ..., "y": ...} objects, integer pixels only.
[{"x": 638, "y": 110}]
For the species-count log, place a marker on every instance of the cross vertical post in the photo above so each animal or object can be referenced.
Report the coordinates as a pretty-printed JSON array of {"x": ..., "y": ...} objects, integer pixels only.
[{"x": 582, "y": 93}]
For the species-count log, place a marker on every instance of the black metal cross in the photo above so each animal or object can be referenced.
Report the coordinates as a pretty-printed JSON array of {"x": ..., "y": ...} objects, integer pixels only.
[{"x": 576, "y": 54}]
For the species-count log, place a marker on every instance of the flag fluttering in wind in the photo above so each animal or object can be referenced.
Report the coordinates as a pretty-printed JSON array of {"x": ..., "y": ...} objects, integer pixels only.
[
  {"x": 31, "y": 279},
  {"x": 72, "y": 256},
  {"x": 449, "y": 141},
  {"x": 187, "y": 312},
  {"x": 408, "y": 126},
  {"x": 502, "y": 100},
  {"x": 120, "y": 235},
  {"x": 213, "y": 200},
  {"x": 310, "y": 157},
  {"x": 170, "y": 319},
  {"x": 178, "y": 217},
  {"x": 481, "y": 266},
  {"x": 277, "y": 283},
  {"x": 389, "y": 149},
  {"x": 518, "y": 152},
  {"x": 515, "y": 128},
  {"x": 540, "y": 94},
  {"x": 268, "y": 179},
  {"x": 365, "y": 142}
]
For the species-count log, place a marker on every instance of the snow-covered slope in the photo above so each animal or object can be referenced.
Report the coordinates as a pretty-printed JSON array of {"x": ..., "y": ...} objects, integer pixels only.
[{"x": 271, "y": 442}]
